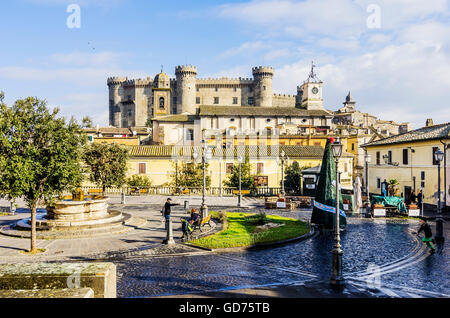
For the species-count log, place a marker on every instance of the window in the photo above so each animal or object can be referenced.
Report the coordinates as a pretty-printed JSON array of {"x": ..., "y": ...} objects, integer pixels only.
[
  {"x": 353, "y": 147},
  {"x": 435, "y": 163},
  {"x": 378, "y": 158},
  {"x": 198, "y": 89},
  {"x": 260, "y": 167},
  {"x": 190, "y": 134},
  {"x": 229, "y": 167},
  {"x": 405, "y": 156},
  {"x": 142, "y": 168},
  {"x": 235, "y": 100},
  {"x": 216, "y": 100},
  {"x": 162, "y": 103},
  {"x": 250, "y": 100},
  {"x": 345, "y": 167},
  {"x": 235, "y": 89},
  {"x": 389, "y": 157},
  {"x": 217, "y": 89},
  {"x": 174, "y": 99},
  {"x": 250, "y": 89},
  {"x": 268, "y": 120},
  {"x": 264, "y": 88},
  {"x": 378, "y": 183},
  {"x": 197, "y": 100},
  {"x": 422, "y": 175},
  {"x": 232, "y": 119}
]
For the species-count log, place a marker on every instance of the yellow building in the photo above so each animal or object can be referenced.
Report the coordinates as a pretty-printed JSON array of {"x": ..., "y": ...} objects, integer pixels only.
[
  {"x": 409, "y": 158},
  {"x": 159, "y": 163}
]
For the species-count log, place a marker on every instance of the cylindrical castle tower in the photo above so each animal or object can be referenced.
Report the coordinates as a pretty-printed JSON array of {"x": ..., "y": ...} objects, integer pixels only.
[
  {"x": 186, "y": 80},
  {"x": 114, "y": 84},
  {"x": 263, "y": 76}
]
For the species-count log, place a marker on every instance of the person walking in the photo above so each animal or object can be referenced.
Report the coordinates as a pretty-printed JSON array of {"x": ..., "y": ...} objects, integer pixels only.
[
  {"x": 168, "y": 209},
  {"x": 428, "y": 238}
]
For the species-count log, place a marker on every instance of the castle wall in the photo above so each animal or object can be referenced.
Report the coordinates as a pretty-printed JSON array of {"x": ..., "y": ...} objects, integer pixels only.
[
  {"x": 279, "y": 100},
  {"x": 226, "y": 90}
]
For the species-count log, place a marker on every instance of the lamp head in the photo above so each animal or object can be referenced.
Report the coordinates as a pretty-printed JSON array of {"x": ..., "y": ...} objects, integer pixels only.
[
  {"x": 439, "y": 155},
  {"x": 336, "y": 146}
]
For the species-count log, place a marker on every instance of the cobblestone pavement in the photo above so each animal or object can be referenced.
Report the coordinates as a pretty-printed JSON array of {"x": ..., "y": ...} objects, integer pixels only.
[
  {"x": 379, "y": 246},
  {"x": 381, "y": 257}
]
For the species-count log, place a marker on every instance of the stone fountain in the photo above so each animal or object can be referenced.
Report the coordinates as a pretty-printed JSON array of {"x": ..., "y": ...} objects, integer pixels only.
[{"x": 76, "y": 216}]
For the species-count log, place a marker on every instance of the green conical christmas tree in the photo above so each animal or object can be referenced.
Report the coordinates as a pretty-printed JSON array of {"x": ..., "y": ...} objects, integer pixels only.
[{"x": 326, "y": 192}]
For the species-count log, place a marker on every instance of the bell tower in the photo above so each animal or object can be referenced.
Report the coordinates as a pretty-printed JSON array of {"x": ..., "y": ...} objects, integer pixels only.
[{"x": 309, "y": 94}]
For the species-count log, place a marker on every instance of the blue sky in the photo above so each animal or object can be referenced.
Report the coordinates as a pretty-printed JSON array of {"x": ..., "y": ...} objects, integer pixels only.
[{"x": 398, "y": 71}]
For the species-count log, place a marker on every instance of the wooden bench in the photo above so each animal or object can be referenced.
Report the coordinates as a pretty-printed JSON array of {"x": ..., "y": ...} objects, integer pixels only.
[
  {"x": 95, "y": 191},
  {"x": 243, "y": 192},
  {"x": 203, "y": 222}
]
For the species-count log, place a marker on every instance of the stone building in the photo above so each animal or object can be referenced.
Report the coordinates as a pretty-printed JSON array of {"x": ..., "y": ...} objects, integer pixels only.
[{"x": 182, "y": 108}]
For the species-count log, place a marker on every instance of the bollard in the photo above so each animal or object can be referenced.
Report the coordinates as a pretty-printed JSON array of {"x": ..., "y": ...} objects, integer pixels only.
[
  {"x": 169, "y": 238},
  {"x": 186, "y": 206},
  {"x": 123, "y": 197},
  {"x": 12, "y": 209}
]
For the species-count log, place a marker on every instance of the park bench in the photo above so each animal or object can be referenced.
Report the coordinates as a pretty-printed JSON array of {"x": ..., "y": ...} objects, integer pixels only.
[
  {"x": 95, "y": 191},
  {"x": 243, "y": 192},
  {"x": 185, "y": 191},
  {"x": 202, "y": 223}
]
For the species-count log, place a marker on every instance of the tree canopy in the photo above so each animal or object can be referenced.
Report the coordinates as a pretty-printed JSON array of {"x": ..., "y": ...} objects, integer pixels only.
[
  {"x": 40, "y": 154},
  {"x": 247, "y": 178},
  {"x": 107, "y": 164},
  {"x": 190, "y": 175}
]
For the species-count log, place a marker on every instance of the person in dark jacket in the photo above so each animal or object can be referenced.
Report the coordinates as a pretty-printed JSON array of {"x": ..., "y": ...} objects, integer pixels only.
[
  {"x": 168, "y": 209},
  {"x": 420, "y": 200},
  {"x": 428, "y": 239}
]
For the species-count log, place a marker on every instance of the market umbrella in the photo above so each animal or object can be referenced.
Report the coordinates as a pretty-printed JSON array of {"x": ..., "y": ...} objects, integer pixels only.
[{"x": 357, "y": 195}]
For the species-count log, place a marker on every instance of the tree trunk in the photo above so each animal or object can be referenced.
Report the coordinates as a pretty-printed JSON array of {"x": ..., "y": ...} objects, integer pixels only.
[{"x": 33, "y": 228}]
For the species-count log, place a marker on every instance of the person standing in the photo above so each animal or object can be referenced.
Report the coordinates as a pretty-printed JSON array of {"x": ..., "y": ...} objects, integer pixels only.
[
  {"x": 168, "y": 209},
  {"x": 420, "y": 201}
]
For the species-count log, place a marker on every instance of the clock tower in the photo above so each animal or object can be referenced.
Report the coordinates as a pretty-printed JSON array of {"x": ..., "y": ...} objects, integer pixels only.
[{"x": 309, "y": 94}]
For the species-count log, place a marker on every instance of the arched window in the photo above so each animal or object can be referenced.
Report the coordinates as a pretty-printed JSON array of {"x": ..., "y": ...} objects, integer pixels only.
[{"x": 161, "y": 103}]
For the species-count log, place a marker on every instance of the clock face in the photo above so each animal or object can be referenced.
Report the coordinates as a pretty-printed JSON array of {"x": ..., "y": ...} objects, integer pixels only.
[{"x": 315, "y": 90}]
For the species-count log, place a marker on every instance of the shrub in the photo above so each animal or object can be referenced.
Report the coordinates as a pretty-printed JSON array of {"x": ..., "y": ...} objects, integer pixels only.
[{"x": 139, "y": 181}]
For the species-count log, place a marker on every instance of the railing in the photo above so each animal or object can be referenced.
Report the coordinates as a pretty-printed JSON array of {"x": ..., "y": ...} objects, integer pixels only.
[{"x": 162, "y": 190}]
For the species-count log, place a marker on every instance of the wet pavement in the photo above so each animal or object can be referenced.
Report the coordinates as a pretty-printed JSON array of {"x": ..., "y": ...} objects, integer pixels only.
[{"x": 386, "y": 246}]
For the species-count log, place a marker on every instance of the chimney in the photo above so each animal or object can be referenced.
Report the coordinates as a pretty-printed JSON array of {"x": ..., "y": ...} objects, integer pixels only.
[{"x": 429, "y": 122}]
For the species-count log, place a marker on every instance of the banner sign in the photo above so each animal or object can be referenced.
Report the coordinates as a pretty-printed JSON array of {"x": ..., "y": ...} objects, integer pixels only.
[{"x": 329, "y": 209}]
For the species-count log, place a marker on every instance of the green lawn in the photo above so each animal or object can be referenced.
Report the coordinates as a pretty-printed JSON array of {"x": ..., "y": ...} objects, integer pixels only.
[{"x": 240, "y": 231}]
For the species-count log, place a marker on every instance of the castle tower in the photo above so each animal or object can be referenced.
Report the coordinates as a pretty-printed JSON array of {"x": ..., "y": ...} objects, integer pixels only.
[
  {"x": 263, "y": 76},
  {"x": 186, "y": 80},
  {"x": 115, "y": 116}
]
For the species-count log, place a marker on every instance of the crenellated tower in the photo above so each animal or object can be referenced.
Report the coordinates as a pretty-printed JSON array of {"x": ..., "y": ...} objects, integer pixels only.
[
  {"x": 263, "y": 76},
  {"x": 115, "y": 116},
  {"x": 186, "y": 81}
]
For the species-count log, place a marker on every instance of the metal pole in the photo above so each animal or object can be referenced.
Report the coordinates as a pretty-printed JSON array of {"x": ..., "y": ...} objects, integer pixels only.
[
  {"x": 367, "y": 189},
  {"x": 240, "y": 186},
  {"x": 439, "y": 222},
  {"x": 282, "y": 177},
  {"x": 337, "y": 278}
]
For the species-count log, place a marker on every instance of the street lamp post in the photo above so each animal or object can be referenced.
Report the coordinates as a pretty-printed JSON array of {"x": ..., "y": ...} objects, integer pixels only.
[
  {"x": 206, "y": 156},
  {"x": 283, "y": 154},
  {"x": 240, "y": 160},
  {"x": 368, "y": 158},
  {"x": 439, "y": 156},
  {"x": 337, "y": 278}
]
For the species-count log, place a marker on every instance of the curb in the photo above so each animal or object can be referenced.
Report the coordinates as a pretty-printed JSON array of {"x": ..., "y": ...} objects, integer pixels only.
[{"x": 306, "y": 236}]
